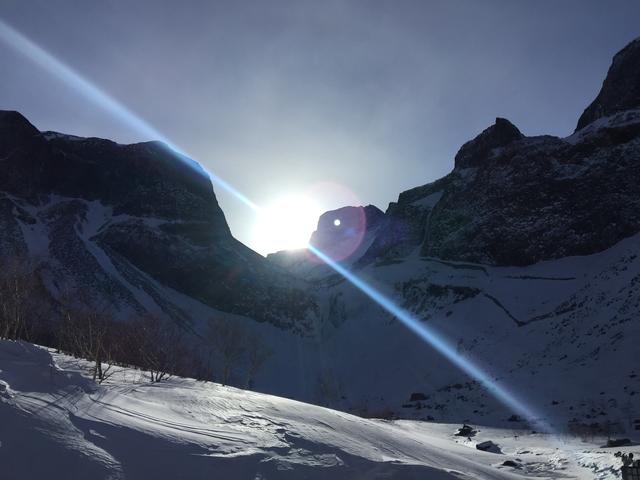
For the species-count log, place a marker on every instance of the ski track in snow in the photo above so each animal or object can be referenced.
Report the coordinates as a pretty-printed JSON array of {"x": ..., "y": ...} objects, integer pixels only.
[{"x": 130, "y": 428}]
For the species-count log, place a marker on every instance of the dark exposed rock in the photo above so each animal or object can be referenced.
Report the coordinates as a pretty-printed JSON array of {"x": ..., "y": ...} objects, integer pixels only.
[
  {"x": 618, "y": 442},
  {"x": 466, "y": 431},
  {"x": 405, "y": 224},
  {"x": 353, "y": 223},
  {"x": 541, "y": 198},
  {"x": 620, "y": 89},
  {"x": 488, "y": 446},
  {"x": 123, "y": 222},
  {"x": 417, "y": 396},
  {"x": 15, "y": 130},
  {"x": 474, "y": 152},
  {"x": 343, "y": 234}
]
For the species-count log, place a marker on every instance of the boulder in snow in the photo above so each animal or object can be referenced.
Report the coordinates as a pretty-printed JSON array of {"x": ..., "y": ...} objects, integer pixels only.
[{"x": 488, "y": 446}]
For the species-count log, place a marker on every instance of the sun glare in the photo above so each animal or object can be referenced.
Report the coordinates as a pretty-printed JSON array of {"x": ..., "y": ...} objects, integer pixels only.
[{"x": 286, "y": 224}]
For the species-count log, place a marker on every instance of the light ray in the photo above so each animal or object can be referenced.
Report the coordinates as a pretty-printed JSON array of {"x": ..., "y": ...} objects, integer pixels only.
[
  {"x": 437, "y": 342},
  {"x": 57, "y": 68},
  {"x": 66, "y": 74}
]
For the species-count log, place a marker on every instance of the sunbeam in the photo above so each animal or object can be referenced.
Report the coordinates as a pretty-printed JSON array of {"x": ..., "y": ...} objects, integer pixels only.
[
  {"x": 437, "y": 342},
  {"x": 63, "y": 72},
  {"x": 66, "y": 74}
]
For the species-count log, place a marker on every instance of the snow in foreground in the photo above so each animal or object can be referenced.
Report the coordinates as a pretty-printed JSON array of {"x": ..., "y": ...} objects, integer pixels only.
[{"x": 57, "y": 424}]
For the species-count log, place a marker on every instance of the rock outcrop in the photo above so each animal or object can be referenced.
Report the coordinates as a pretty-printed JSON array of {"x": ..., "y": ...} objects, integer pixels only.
[
  {"x": 474, "y": 152},
  {"x": 620, "y": 89},
  {"x": 344, "y": 234}
]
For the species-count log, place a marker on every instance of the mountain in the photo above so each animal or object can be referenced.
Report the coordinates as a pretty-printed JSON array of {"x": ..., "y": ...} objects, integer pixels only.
[
  {"x": 136, "y": 227},
  {"x": 621, "y": 88},
  {"x": 524, "y": 260},
  {"x": 517, "y": 200}
]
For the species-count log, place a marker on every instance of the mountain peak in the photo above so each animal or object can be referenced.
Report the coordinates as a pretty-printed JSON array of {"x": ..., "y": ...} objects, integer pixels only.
[
  {"x": 345, "y": 221},
  {"x": 500, "y": 134},
  {"x": 341, "y": 232},
  {"x": 14, "y": 127},
  {"x": 15, "y": 131},
  {"x": 11, "y": 118},
  {"x": 621, "y": 88}
]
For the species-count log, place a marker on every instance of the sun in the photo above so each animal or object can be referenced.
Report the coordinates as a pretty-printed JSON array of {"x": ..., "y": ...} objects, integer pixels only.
[{"x": 286, "y": 223}]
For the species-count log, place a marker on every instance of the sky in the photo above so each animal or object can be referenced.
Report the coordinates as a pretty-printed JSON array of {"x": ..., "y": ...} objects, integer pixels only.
[{"x": 315, "y": 103}]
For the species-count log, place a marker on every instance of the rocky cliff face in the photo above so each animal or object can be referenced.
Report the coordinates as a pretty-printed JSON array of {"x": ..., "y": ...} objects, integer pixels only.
[
  {"x": 340, "y": 232},
  {"x": 133, "y": 225},
  {"x": 517, "y": 200},
  {"x": 475, "y": 152},
  {"x": 344, "y": 234},
  {"x": 541, "y": 198},
  {"x": 620, "y": 89},
  {"x": 127, "y": 224}
]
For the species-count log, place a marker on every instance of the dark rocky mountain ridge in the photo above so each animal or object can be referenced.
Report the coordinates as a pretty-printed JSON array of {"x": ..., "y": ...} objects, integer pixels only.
[
  {"x": 121, "y": 221},
  {"x": 517, "y": 200},
  {"x": 620, "y": 89},
  {"x": 484, "y": 255}
]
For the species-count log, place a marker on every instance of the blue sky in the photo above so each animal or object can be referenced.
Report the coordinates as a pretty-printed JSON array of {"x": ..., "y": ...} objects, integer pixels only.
[{"x": 283, "y": 97}]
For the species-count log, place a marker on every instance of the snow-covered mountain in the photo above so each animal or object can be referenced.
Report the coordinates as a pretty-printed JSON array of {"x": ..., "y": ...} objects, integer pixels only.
[
  {"x": 55, "y": 423},
  {"x": 524, "y": 258}
]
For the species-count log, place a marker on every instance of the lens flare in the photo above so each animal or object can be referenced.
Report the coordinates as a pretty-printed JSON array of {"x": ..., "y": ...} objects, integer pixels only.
[
  {"x": 340, "y": 233},
  {"x": 57, "y": 68},
  {"x": 341, "y": 230}
]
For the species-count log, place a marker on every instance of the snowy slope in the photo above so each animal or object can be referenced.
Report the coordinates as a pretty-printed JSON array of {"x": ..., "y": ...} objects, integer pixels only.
[
  {"x": 57, "y": 424},
  {"x": 524, "y": 260},
  {"x": 561, "y": 334}
]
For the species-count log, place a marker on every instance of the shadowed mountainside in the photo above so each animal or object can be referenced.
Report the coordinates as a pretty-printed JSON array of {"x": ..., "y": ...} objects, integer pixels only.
[{"x": 123, "y": 222}]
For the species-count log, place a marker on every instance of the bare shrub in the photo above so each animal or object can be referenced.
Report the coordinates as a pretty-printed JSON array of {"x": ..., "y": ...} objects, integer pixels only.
[
  {"x": 257, "y": 354},
  {"x": 90, "y": 334},
  {"x": 159, "y": 347},
  {"x": 590, "y": 431},
  {"x": 230, "y": 350},
  {"x": 20, "y": 287},
  {"x": 228, "y": 340},
  {"x": 328, "y": 388}
]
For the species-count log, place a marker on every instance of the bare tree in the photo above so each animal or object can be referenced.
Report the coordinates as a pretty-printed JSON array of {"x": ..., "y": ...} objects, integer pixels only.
[
  {"x": 90, "y": 334},
  {"x": 18, "y": 284},
  {"x": 227, "y": 338},
  {"x": 257, "y": 354},
  {"x": 230, "y": 348},
  {"x": 159, "y": 348},
  {"x": 328, "y": 388}
]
